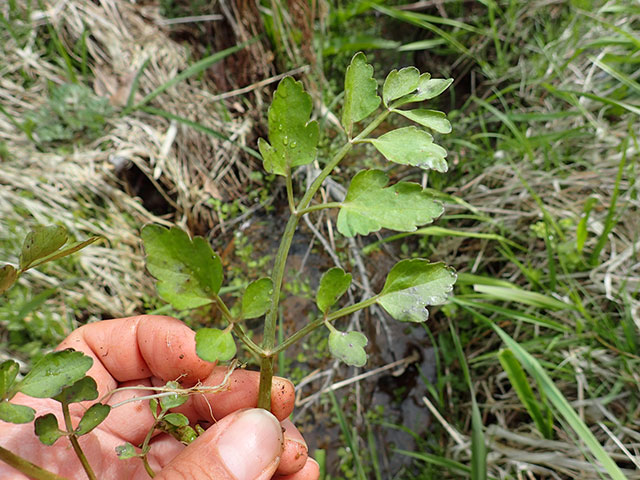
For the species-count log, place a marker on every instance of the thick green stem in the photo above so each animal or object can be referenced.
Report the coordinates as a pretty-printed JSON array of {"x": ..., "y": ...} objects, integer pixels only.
[
  {"x": 26, "y": 467},
  {"x": 75, "y": 444},
  {"x": 270, "y": 323}
]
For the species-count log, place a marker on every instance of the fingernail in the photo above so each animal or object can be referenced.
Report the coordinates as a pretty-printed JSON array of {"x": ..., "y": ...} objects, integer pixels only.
[{"x": 250, "y": 444}]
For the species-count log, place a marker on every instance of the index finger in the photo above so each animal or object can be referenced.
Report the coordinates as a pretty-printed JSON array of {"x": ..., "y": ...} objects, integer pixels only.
[{"x": 135, "y": 348}]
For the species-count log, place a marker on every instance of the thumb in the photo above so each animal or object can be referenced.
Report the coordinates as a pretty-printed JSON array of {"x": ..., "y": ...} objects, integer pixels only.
[{"x": 245, "y": 445}]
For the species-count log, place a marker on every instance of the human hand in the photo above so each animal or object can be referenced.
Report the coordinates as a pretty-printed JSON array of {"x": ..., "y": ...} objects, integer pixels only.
[{"x": 243, "y": 442}]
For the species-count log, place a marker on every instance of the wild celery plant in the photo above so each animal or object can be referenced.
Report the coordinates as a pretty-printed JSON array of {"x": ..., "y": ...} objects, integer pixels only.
[{"x": 189, "y": 273}]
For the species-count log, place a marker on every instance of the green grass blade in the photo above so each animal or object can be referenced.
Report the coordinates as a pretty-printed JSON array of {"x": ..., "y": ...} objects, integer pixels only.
[
  {"x": 451, "y": 465},
  {"x": 509, "y": 313},
  {"x": 347, "y": 436},
  {"x": 534, "y": 299},
  {"x": 525, "y": 393},
  {"x": 559, "y": 402},
  {"x": 478, "y": 444},
  {"x": 610, "y": 220},
  {"x": 200, "y": 128},
  {"x": 194, "y": 69},
  {"x": 442, "y": 232},
  {"x": 136, "y": 82}
]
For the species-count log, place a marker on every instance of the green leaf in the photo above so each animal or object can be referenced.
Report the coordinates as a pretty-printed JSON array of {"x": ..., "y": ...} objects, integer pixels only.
[
  {"x": 47, "y": 429},
  {"x": 10, "y": 412},
  {"x": 293, "y": 137},
  {"x": 189, "y": 272},
  {"x": 257, "y": 298},
  {"x": 400, "y": 83},
  {"x": 81, "y": 391},
  {"x": 40, "y": 242},
  {"x": 215, "y": 345},
  {"x": 360, "y": 92},
  {"x": 172, "y": 401},
  {"x": 428, "y": 88},
  {"x": 348, "y": 347},
  {"x": 8, "y": 372},
  {"x": 412, "y": 146},
  {"x": 333, "y": 284},
  {"x": 93, "y": 417},
  {"x": 369, "y": 206},
  {"x": 176, "y": 419},
  {"x": 153, "y": 406},
  {"x": 8, "y": 276},
  {"x": 73, "y": 248},
  {"x": 126, "y": 451},
  {"x": 518, "y": 379},
  {"x": 54, "y": 372},
  {"x": 412, "y": 285},
  {"x": 433, "y": 119}
]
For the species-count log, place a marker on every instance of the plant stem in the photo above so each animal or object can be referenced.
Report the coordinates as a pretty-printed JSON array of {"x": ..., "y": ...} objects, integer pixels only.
[
  {"x": 74, "y": 442},
  {"x": 270, "y": 322},
  {"x": 236, "y": 328},
  {"x": 147, "y": 467},
  {"x": 25, "y": 466},
  {"x": 320, "y": 206},
  {"x": 310, "y": 327},
  {"x": 289, "y": 183}
]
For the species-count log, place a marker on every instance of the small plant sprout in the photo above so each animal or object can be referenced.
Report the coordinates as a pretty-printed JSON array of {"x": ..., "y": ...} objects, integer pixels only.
[{"x": 189, "y": 273}]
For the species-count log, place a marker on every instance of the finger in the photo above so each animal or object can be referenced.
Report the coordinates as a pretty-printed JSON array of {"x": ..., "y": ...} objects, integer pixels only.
[
  {"x": 245, "y": 445},
  {"x": 136, "y": 347},
  {"x": 310, "y": 471},
  {"x": 240, "y": 392},
  {"x": 130, "y": 421},
  {"x": 295, "y": 452}
]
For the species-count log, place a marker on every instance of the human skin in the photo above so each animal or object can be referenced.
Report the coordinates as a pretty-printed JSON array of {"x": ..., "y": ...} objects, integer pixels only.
[{"x": 242, "y": 443}]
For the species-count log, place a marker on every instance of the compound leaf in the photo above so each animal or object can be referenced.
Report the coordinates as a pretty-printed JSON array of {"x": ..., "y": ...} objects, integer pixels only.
[
  {"x": 360, "y": 92},
  {"x": 47, "y": 429},
  {"x": 257, "y": 298},
  {"x": 400, "y": 83},
  {"x": 126, "y": 451},
  {"x": 40, "y": 242},
  {"x": 172, "y": 401},
  {"x": 428, "y": 88},
  {"x": 413, "y": 284},
  {"x": 433, "y": 119},
  {"x": 369, "y": 206},
  {"x": 10, "y": 412},
  {"x": 412, "y": 146},
  {"x": 348, "y": 347},
  {"x": 215, "y": 345},
  {"x": 333, "y": 284},
  {"x": 189, "y": 272},
  {"x": 53, "y": 372},
  {"x": 81, "y": 391},
  {"x": 8, "y": 372},
  {"x": 293, "y": 137},
  {"x": 8, "y": 276},
  {"x": 93, "y": 417}
]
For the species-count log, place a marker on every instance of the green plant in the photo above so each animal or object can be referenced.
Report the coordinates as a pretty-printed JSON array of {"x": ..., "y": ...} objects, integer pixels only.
[
  {"x": 72, "y": 110},
  {"x": 189, "y": 272}
]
